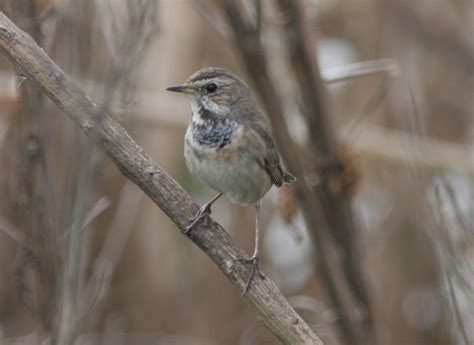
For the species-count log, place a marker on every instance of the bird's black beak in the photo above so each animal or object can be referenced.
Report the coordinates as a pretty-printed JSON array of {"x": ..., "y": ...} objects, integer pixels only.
[{"x": 187, "y": 89}]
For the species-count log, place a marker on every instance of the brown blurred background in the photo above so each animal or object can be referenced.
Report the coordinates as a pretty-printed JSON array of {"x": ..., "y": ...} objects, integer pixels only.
[{"x": 86, "y": 257}]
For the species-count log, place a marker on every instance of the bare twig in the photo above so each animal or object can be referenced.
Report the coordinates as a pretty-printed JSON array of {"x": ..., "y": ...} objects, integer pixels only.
[
  {"x": 253, "y": 57},
  {"x": 337, "y": 206},
  {"x": 322, "y": 218},
  {"x": 127, "y": 33},
  {"x": 390, "y": 144},
  {"x": 268, "y": 303},
  {"x": 456, "y": 206},
  {"x": 99, "y": 206},
  {"x": 388, "y": 67},
  {"x": 112, "y": 249},
  {"x": 457, "y": 311},
  {"x": 442, "y": 226},
  {"x": 370, "y": 105}
]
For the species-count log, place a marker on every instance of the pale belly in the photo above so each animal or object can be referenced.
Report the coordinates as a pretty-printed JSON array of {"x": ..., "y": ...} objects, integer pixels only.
[{"x": 238, "y": 176}]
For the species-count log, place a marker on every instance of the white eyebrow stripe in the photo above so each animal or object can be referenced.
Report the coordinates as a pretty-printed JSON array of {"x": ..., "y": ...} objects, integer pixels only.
[
  {"x": 203, "y": 81},
  {"x": 218, "y": 80}
]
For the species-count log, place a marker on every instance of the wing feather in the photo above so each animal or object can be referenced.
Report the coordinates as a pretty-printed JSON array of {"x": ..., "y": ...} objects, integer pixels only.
[{"x": 264, "y": 150}]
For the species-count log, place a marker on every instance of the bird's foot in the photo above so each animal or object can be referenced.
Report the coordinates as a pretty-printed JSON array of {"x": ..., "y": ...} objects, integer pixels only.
[
  {"x": 203, "y": 212},
  {"x": 254, "y": 269}
]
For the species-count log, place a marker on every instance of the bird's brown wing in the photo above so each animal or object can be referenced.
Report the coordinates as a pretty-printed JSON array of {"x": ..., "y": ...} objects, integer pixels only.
[{"x": 264, "y": 150}]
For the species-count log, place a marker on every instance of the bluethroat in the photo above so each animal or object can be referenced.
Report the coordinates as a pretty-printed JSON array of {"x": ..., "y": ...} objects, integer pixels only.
[{"x": 229, "y": 145}]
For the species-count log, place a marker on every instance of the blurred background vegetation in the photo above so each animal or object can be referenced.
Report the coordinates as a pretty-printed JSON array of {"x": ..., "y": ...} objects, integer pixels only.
[{"x": 86, "y": 258}]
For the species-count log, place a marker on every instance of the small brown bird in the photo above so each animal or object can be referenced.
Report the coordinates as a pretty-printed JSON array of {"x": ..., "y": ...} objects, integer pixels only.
[{"x": 229, "y": 146}]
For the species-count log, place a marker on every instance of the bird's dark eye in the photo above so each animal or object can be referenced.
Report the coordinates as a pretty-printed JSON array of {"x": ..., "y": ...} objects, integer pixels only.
[{"x": 211, "y": 87}]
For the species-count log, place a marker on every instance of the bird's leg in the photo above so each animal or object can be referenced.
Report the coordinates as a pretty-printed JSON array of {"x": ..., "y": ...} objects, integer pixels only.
[
  {"x": 253, "y": 260},
  {"x": 204, "y": 211}
]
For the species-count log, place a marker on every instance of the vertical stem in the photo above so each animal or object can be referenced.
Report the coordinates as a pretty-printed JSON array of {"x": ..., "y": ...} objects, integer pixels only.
[{"x": 328, "y": 216}]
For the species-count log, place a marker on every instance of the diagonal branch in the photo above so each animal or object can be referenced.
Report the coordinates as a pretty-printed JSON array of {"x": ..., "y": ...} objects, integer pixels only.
[{"x": 264, "y": 297}]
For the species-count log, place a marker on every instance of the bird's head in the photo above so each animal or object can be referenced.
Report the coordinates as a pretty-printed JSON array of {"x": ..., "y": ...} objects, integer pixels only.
[{"x": 214, "y": 89}]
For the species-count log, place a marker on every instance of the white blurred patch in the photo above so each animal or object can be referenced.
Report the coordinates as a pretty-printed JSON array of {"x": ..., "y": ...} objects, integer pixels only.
[
  {"x": 289, "y": 253},
  {"x": 334, "y": 53},
  {"x": 373, "y": 207}
]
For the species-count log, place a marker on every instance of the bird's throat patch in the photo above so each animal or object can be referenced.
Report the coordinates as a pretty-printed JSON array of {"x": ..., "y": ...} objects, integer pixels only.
[{"x": 213, "y": 133}]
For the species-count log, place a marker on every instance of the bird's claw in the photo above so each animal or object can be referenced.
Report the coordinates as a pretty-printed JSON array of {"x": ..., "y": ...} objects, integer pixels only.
[
  {"x": 253, "y": 269},
  {"x": 203, "y": 212}
]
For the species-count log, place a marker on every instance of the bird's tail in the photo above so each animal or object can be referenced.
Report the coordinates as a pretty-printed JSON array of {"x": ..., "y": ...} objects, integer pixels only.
[{"x": 288, "y": 178}]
